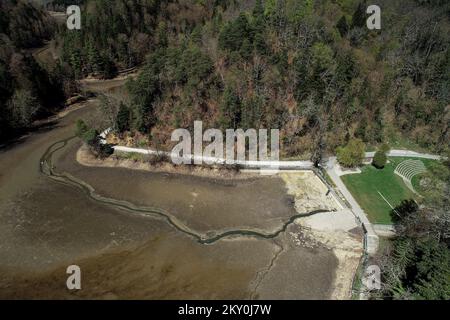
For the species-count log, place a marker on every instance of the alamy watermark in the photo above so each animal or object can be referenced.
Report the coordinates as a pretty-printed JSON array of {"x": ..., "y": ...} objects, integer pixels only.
[
  {"x": 73, "y": 17},
  {"x": 247, "y": 148},
  {"x": 74, "y": 280},
  {"x": 373, "y": 21}
]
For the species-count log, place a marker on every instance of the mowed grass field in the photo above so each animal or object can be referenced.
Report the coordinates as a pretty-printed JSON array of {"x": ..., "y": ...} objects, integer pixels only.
[{"x": 373, "y": 184}]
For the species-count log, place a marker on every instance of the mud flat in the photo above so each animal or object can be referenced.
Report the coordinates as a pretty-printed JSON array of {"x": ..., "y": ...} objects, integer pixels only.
[
  {"x": 336, "y": 231},
  {"x": 206, "y": 205},
  {"x": 46, "y": 226},
  {"x": 304, "y": 249},
  {"x": 172, "y": 267},
  {"x": 340, "y": 233}
]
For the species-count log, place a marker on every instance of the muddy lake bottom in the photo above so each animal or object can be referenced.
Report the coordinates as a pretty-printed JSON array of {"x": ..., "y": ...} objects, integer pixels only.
[{"x": 46, "y": 226}]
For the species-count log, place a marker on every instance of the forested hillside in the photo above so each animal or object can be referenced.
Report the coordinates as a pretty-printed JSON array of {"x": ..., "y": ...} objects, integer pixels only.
[
  {"x": 27, "y": 91},
  {"x": 310, "y": 68},
  {"x": 24, "y": 25}
]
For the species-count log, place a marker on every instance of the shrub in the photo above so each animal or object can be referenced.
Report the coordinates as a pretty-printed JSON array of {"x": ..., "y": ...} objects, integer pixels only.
[
  {"x": 158, "y": 158},
  {"x": 134, "y": 156},
  {"x": 123, "y": 118},
  {"x": 379, "y": 160},
  {"x": 385, "y": 148},
  {"x": 352, "y": 154},
  {"x": 105, "y": 150},
  {"x": 80, "y": 128},
  {"x": 90, "y": 137}
]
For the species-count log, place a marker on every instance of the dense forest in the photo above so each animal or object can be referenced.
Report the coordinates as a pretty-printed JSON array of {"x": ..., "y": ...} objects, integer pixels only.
[
  {"x": 27, "y": 90},
  {"x": 416, "y": 264},
  {"x": 310, "y": 68}
]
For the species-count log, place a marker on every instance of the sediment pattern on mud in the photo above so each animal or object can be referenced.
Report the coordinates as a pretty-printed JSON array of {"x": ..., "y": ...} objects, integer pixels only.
[{"x": 46, "y": 168}]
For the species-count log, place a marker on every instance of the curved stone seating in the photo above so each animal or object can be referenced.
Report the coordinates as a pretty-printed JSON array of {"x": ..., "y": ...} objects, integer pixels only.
[{"x": 408, "y": 169}]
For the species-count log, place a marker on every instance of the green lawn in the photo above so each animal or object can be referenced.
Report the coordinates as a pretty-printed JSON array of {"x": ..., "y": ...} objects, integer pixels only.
[{"x": 372, "y": 185}]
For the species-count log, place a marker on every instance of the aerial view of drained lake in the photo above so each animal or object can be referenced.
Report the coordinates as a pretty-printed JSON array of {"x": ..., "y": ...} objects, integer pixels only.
[
  {"x": 245, "y": 150},
  {"x": 138, "y": 234}
]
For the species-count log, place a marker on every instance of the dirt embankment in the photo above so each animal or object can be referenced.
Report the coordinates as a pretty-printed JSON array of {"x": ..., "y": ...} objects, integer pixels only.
[{"x": 85, "y": 157}]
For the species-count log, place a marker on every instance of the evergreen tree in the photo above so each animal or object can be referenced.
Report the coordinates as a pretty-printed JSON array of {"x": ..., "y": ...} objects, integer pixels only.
[
  {"x": 162, "y": 35},
  {"x": 108, "y": 69},
  {"x": 260, "y": 44},
  {"x": 144, "y": 91},
  {"x": 258, "y": 9},
  {"x": 90, "y": 136},
  {"x": 342, "y": 26},
  {"x": 93, "y": 58},
  {"x": 123, "y": 118},
  {"x": 258, "y": 18},
  {"x": 270, "y": 7},
  {"x": 230, "y": 109},
  {"x": 235, "y": 32},
  {"x": 379, "y": 160},
  {"x": 359, "y": 16},
  {"x": 196, "y": 36},
  {"x": 76, "y": 64},
  {"x": 246, "y": 50}
]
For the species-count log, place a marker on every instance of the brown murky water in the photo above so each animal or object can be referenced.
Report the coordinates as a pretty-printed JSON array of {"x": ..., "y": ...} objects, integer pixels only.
[{"x": 46, "y": 226}]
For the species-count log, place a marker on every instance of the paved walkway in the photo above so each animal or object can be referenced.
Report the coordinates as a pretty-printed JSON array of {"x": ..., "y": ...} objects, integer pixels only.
[
  {"x": 372, "y": 237},
  {"x": 384, "y": 230},
  {"x": 407, "y": 153},
  {"x": 305, "y": 165},
  {"x": 291, "y": 165}
]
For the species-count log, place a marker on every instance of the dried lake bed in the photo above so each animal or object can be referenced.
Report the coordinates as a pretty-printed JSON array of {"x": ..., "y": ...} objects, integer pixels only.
[{"x": 46, "y": 226}]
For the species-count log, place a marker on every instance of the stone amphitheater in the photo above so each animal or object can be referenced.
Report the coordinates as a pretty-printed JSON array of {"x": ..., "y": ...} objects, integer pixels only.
[{"x": 408, "y": 169}]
